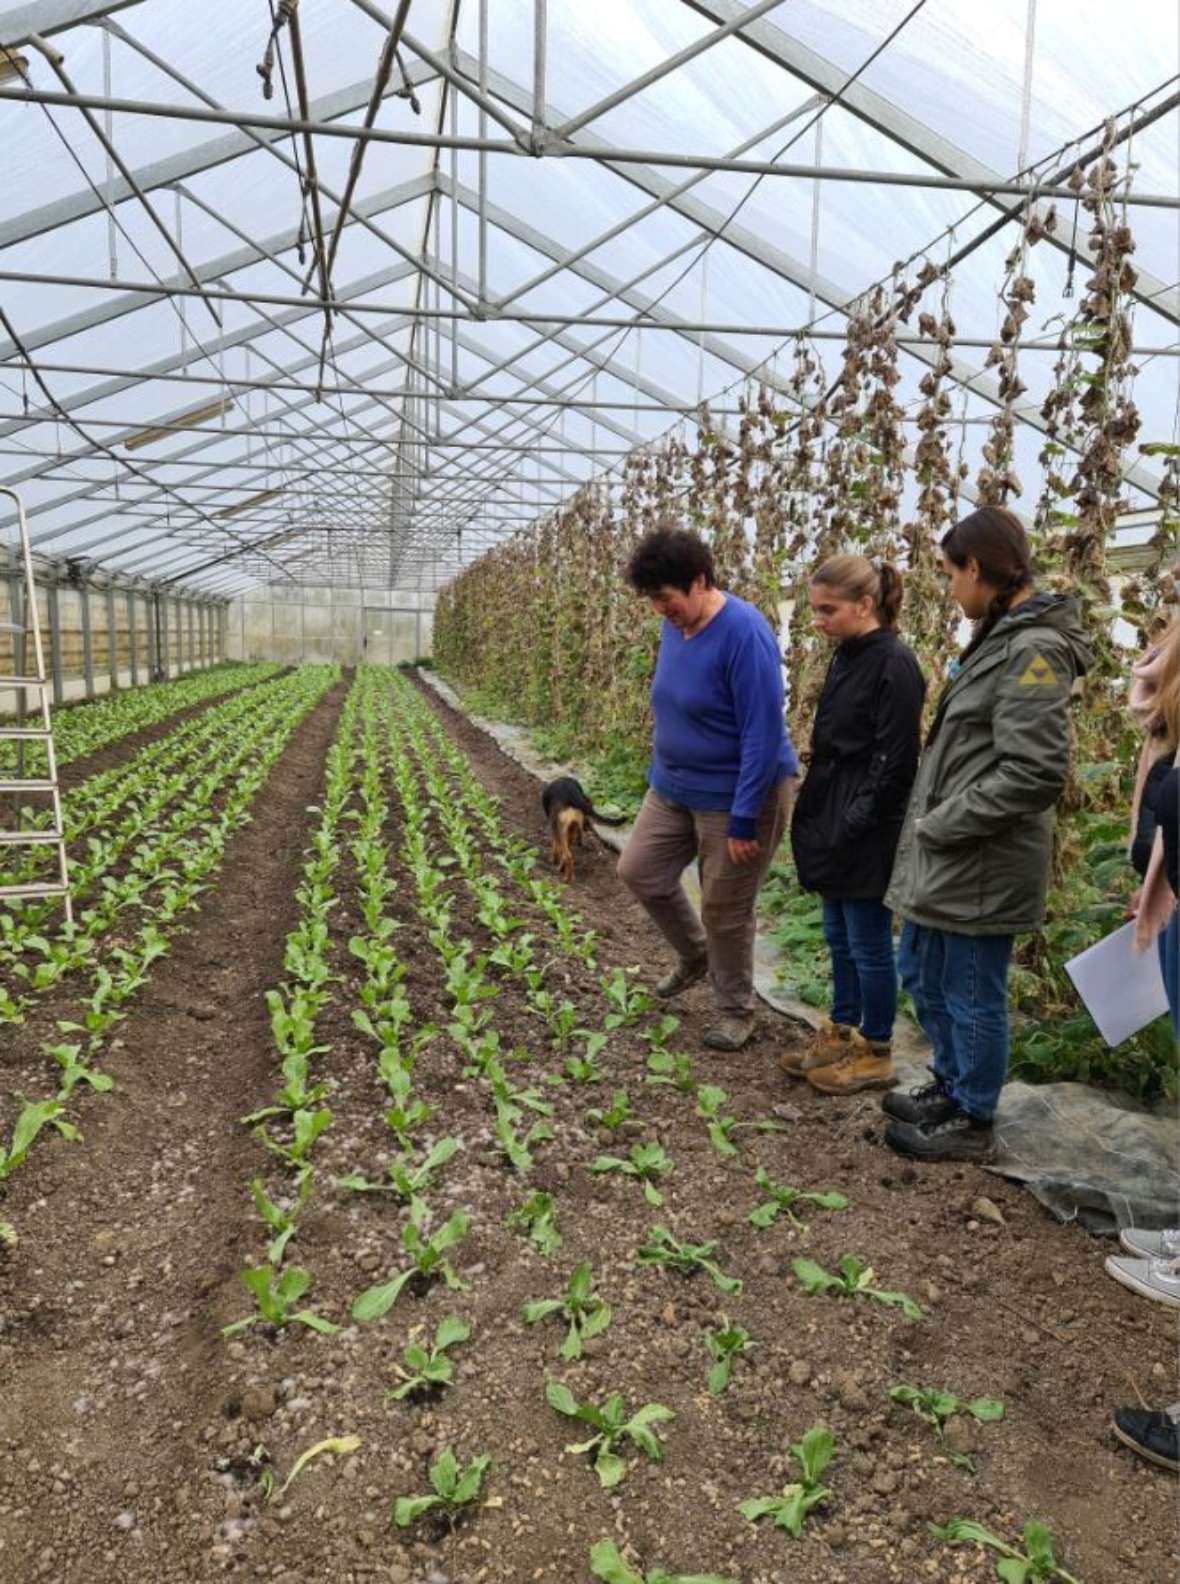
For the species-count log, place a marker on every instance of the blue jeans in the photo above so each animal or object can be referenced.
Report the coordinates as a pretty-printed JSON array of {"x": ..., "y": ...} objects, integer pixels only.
[
  {"x": 1169, "y": 947},
  {"x": 864, "y": 973},
  {"x": 959, "y": 984}
]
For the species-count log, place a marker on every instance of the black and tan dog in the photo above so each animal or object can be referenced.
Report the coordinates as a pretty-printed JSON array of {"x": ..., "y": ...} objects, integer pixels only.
[{"x": 567, "y": 808}]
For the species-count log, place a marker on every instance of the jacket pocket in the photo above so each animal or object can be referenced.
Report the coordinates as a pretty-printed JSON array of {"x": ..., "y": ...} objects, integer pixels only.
[{"x": 948, "y": 882}]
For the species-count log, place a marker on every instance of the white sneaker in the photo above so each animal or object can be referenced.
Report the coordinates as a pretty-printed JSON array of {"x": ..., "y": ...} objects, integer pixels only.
[
  {"x": 1149, "y": 1278},
  {"x": 1146, "y": 1245}
]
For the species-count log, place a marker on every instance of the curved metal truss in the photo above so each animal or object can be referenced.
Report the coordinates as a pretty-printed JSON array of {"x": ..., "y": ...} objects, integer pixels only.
[{"x": 314, "y": 291}]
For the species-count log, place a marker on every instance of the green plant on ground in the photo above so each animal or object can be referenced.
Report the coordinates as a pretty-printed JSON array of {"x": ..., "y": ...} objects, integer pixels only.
[
  {"x": 647, "y": 1162},
  {"x": 407, "y": 1182},
  {"x": 780, "y": 1199},
  {"x": 32, "y": 1117},
  {"x": 1030, "y": 1566},
  {"x": 789, "y": 1510},
  {"x": 628, "y": 1002},
  {"x": 711, "y": 1101},
  {"x": 427, "y": 1253},
  {"x": 936, "y": 1407},
  {"x": 657, "y": 1034},
  {"x": 421, "y": 1367},
  {"x": 274, "y": 1294},
  {"x": 538, "y": 1217},
  {"x": 672, "y": 1068},
  {"x": 586, "y": 1313},
  {"x": 585, "y": 1068},
  {"x": 727, "y": 1343},
  {"x": 613, "y": 1116},
  {"x": 607, "y": 1564},
  {"x": 453, "y": 1489},
  {"x": 306, "y": 1127},
  {"x": 279, "y": 1218},
  {"x": 611, "y": 1426},
  {"x": 856, "y": 1280},
  {"x": 662, "y": 1248},
  {"x": 517, "y": 1148}
]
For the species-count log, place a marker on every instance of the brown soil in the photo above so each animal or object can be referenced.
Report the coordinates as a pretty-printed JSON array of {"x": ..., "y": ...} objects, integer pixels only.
[{"x": 127, "y": 1424}]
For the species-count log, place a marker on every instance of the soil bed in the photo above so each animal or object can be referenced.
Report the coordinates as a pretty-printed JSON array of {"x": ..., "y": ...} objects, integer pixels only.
[{"x": 127, "y": 1426}]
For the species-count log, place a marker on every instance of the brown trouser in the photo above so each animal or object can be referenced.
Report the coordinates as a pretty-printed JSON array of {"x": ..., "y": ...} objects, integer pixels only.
[{"x": 664, "y": 841}]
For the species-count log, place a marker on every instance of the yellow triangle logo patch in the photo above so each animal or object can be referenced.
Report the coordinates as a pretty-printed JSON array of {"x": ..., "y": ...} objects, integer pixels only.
[{"x": 1038, "y": 673}]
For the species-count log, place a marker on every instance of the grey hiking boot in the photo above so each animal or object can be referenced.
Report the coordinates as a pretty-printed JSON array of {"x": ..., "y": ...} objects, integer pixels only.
[
  {"x": 728, "y": 1035},
  {"x": 683, "y": 975},
  {"x": 957, "y": 1137}
]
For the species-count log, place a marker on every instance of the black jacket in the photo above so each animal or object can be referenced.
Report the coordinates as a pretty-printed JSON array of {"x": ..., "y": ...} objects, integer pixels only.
[
  {"x": 1147, "y": 823},
  {"x": 864, "y": 755},
  {"x": 1161, "y": 797}
]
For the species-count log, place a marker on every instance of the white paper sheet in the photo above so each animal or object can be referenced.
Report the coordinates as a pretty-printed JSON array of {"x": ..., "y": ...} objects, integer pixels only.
[{"x": 1123, "y": 988}]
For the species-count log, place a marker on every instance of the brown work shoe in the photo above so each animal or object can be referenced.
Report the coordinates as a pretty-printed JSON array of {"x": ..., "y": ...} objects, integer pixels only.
[
  {"x": 830, "y": 1043},
  {"x": 865, "y": 1065},
  {"x": 683, "y": 975},
  {"x": 730, "y": 1034}
]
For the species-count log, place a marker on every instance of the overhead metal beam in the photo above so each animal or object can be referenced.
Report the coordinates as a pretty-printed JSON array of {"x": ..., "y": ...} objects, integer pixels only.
[
  {"x": 754, "y": 246},
  {"x": 902, "y": 128},
  {"x": 47, "y": 17}
]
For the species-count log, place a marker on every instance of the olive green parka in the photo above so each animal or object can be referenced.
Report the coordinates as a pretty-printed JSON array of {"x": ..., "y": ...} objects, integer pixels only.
[{"x": 976, "y": 848}]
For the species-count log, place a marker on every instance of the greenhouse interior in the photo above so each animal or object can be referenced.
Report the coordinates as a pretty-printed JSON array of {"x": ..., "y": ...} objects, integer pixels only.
[{"x": 589, "y": 783}]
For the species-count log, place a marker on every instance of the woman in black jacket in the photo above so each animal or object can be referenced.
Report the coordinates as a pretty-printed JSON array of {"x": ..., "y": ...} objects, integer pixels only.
[{"x": 848, "y": 817}]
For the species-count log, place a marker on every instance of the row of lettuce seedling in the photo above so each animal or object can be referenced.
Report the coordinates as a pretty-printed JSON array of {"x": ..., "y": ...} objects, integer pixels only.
[
  {"x": 438, "y": 789},
  {"x": 174, "y": 863}
]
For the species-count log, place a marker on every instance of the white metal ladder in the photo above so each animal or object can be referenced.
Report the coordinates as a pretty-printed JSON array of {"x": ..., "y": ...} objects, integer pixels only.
[{"x": 21, "y": 733}]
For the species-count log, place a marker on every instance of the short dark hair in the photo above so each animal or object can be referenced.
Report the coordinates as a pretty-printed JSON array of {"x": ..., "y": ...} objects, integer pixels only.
[{"x": 670, "y": 558}]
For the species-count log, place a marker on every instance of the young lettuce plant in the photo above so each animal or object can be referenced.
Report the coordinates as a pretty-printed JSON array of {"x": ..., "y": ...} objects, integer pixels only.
[
  {"x": 813, "y": 1453},
  {"x": 537, "y": 1216},
  {"x": 274, "y": 1295},
  {"x": 423, "y": 1369},
  {"x": 710, "y": 1103},
  {"x": 613, "y": 1116},
  {"x": 409, "y": 1183},
  {"x": 611, "y": 1426},
  {"x": 1033, "y": 1565},
  {"x": 306, "y": 1127},
  {"x": 453, "y": 1489},
  {"x": 280, "y": 1221},
  {"x": 607, "y": 1564},
  {"x": 856, "y": 1280},
  {"x": 587, "y": 1314},
  {"x": 780, "y": 1199},
  {"x": 585, "y": 1068},
  {"x": 657, "y": 1034},
  {"x": 662, "y": 1248},
  {"x": 428, "y": 1255},
  {"x": 647, "y": 1162},
  {"x": 936, "y": 1407},
  {"x": 75, "y": 1070},
  {"x": 725, "y": 1345},
  {"x": 517, "y": 1149},
  {"x": 672, "y": 1068},
  {"x": 32, "y": 1117},
  {"x": 628, "y": 1003}
]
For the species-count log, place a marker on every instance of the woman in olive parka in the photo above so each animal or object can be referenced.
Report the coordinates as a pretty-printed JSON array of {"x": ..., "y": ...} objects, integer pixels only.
[{"x": 973, "y": 861}]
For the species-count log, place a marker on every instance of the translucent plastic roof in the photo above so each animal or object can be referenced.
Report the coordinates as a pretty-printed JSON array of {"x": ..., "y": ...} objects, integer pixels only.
[{"x": 507, "y": 320}]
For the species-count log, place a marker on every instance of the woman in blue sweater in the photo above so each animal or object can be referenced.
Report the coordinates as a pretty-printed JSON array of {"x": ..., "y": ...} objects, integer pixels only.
[{"x": 722, "y": 775}]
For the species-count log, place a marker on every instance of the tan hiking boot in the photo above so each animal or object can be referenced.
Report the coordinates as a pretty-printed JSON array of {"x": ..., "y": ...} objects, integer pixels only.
[
  {"x": 730, "y": 1034},
  {"x": 866, "y": 1064},
  {"x": 683, "y": 975},
  {"x": 830, "y": 1043}
]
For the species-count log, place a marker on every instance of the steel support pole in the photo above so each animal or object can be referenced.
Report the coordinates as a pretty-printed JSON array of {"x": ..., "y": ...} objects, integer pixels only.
[
  {"x": 87, "y": 640},
  {"x": 132, "y": 637},
  {"x": 55, "y": 643},
  {"x": 112, "y": 639}
]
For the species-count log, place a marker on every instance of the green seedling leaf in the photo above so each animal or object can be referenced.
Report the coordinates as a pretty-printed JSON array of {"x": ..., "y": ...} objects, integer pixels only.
[
  {"x": 662, "y": 1248},
  {"x": 538, "y": 1217},
  {"x": 856, "y": 1280},
  {"x": 790, "y": 1508},
  {"x": 586, "y": 1314},
  {"x": 454, "y": 1488},
  {"x": 780, "y": 1200},
  {"x": 725, "y": 1345}
]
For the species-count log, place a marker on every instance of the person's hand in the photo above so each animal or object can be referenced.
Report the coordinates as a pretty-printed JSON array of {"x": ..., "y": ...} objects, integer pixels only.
[
  {"x": 741, "y": 852},
  {"x": 1132, "y": 908}
]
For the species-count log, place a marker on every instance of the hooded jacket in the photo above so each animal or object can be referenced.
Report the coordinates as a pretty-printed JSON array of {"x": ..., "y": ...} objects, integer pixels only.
[
  {"x": 864, "y": 753},
  {"x": 977, "y": 843}
]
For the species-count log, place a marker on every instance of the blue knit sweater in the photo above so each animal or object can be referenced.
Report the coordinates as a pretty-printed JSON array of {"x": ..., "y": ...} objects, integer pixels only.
[{"x": 720, "y": 739}]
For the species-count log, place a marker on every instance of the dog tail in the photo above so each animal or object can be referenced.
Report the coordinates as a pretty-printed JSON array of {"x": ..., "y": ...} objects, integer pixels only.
[{"x": 606, "y": 819}]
